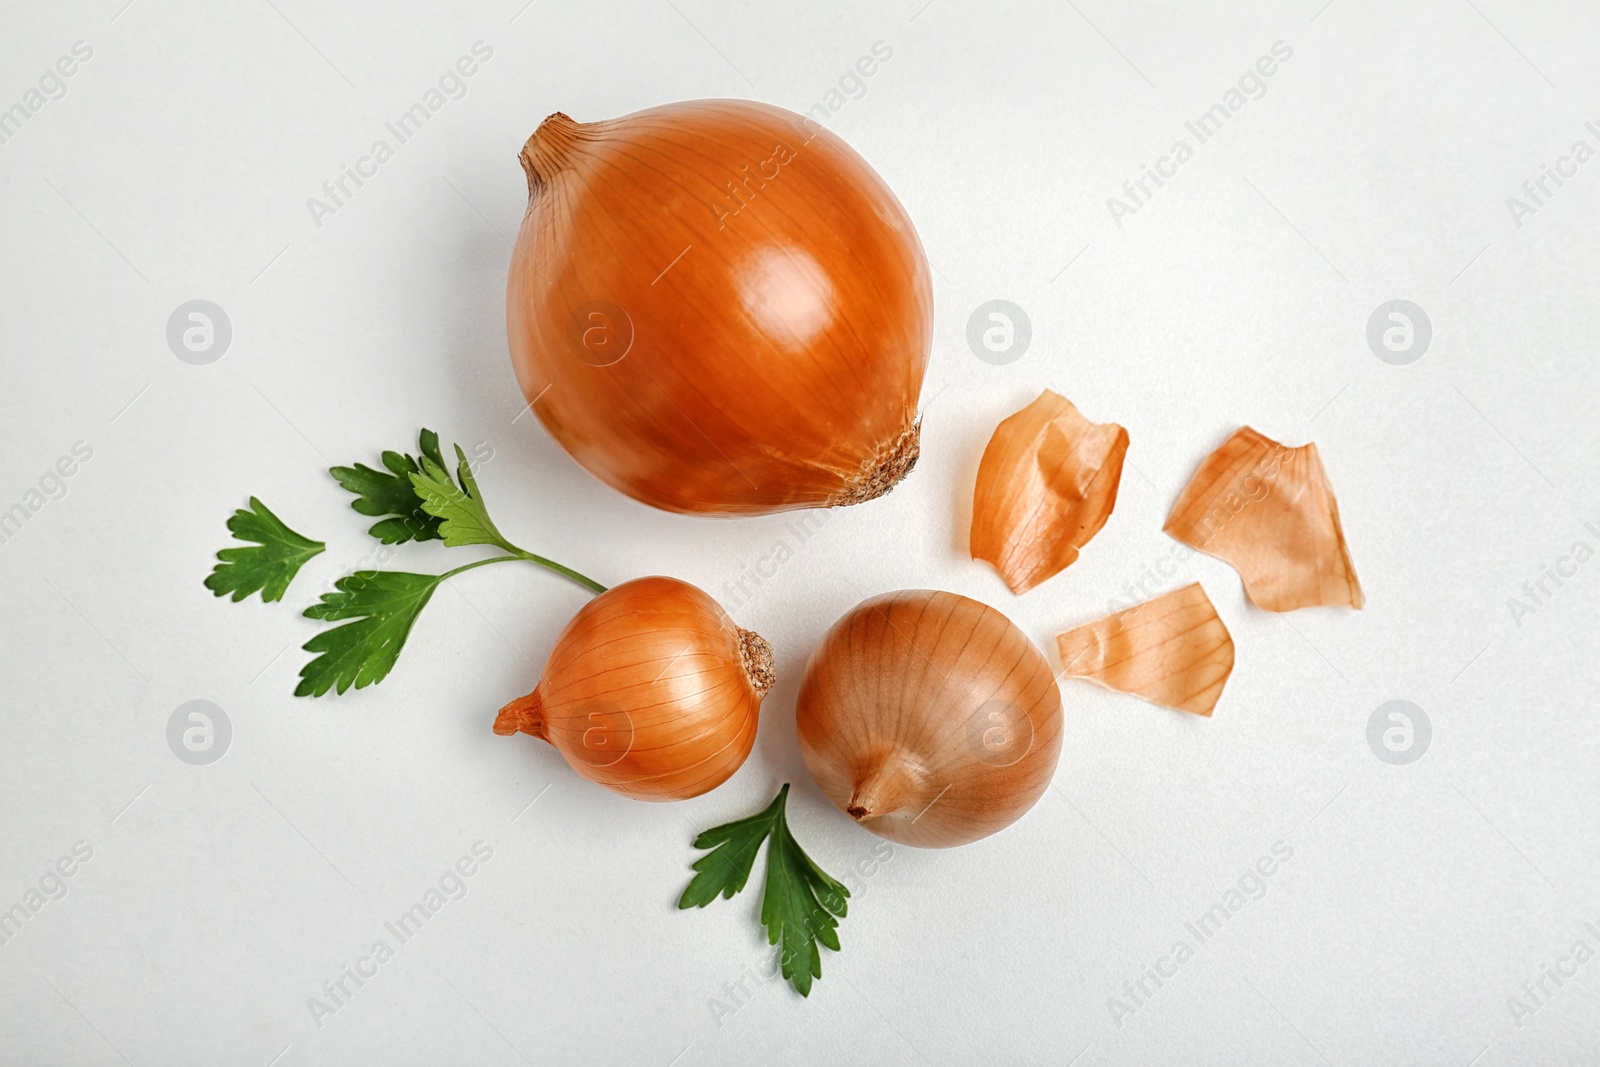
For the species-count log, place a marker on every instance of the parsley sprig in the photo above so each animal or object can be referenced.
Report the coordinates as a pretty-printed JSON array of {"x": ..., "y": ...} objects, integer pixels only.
[
  {"x": 415, "y": 498},
  {"x": 800, "y": 904},
  {"x": 269, "y": 564},
  {"x": 384, "y": 606},
  {"x": 389, "y": 496}
]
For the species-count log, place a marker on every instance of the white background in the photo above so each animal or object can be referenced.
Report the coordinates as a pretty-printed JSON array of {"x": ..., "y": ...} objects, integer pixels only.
[{"x": 1377, "y": 166}]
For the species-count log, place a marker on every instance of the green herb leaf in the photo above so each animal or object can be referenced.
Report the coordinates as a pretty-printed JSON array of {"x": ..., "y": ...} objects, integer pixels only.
[
  {"x": 800, "y": 903},
  {"x": 459, "y": 509},
  {"x": 384, "y": 605},
  {"x": 725, "y": 871},
  {"x": 391, "y": 494},
  {"x": 269, "y": 565}
]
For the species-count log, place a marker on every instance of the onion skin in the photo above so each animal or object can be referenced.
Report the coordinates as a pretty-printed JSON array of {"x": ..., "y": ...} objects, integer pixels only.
[
  {"x": 929, "y": 718},
  {"x": 1268, "y": 511},
  {"x": 651, "y": 691},
  {"x": 1046, "y": 486},
  {"x": 1172, "y": 650},
  {"x": 765, "y": 309}
]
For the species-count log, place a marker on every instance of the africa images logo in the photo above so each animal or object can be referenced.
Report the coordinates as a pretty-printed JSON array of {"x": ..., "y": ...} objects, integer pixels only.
[{"x": 1252, "y": 85}]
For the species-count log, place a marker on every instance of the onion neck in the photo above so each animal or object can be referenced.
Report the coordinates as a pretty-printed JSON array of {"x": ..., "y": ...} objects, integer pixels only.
[
  {"x": 888, "y": 786},
  {"x": 522, "y": 715},
  {"x": 549, "y": 150}
]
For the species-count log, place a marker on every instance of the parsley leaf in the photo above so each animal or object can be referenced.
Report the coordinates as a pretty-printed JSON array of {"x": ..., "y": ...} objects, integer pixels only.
[
  {"x": 459, "y": 510},
  {"x": 799, "y": 903},
  {"x": 384, "y": 605},
  {"x": 390, "y": 494},
  {"x": 269, "y": 565}
]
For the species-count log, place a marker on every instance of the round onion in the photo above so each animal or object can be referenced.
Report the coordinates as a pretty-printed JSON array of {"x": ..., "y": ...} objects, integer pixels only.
[
  {"x": 929, "y": 718},
  {"x": 651, "y": 690},
  {"x": 718, "y": 307}
]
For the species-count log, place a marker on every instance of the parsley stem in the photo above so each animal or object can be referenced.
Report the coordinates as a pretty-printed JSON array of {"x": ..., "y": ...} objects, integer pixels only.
[
  {"x": 588, "y": 583},
  {"x": 583, "y": 580},
  {"x": 477, "y": 563}
]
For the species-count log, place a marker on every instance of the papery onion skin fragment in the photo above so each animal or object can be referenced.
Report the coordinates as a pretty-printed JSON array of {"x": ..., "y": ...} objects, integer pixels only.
[
  {"x": 929, "y": 718},
  {"x": 651, "y": 691},
  {"x": 1173, "y": 651},
  {"x": 1046, "y": 485},
  {"x": 719, "y": 308},
  {"x": 1268, "y": 511}
]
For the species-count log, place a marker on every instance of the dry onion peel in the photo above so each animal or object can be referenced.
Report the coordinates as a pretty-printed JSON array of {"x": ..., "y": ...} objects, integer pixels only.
[
  {"x": 718, "y": 307},
  {"x": 1173, "y": 651},
  {"x": 929, "y": 718},
  {"x": 1269, "y": 512},
  {"x": 651, "y": 691},
  {"x": 1046, "y": 485}
]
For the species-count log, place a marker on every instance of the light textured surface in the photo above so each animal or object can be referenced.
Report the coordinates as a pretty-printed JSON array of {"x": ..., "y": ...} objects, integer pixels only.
[{"x": 1419, "y": 898}]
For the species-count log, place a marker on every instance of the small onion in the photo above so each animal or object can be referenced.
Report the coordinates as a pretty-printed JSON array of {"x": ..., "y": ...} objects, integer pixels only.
[
  {"x": 719, "y": 308},
  {"x": 651, "y": 690},
  {"x": 929, "y": 718}
]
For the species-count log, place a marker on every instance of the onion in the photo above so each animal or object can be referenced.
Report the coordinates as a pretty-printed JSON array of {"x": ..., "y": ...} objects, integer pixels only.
[
  {"x": 929, "y": 718},
  {"x": 718, "y": 307},
  {"x": 651, "y": 690}
]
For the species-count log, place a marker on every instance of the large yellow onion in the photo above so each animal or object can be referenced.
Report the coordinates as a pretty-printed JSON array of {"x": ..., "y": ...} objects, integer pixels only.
[
  {"x": 718, "y": 307},
  {"x": 651, "y": 690},
  {"x": 929, "y": 718}
]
